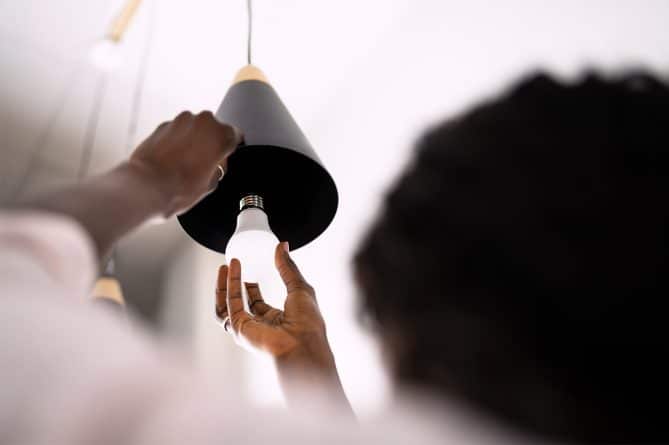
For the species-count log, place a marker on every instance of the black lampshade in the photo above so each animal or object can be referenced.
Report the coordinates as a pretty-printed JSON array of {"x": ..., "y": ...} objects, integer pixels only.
[{"x": 276, "y": 162}]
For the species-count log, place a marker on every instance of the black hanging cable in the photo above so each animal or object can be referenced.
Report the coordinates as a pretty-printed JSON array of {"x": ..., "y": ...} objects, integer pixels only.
[
  {"x": 92, "y": 127},
  {"x": 109, "y": 269},
  {"x": 140, "y": 82},
  {"x": 249, "y": 11},
  {"x": 135, "y": 110}
]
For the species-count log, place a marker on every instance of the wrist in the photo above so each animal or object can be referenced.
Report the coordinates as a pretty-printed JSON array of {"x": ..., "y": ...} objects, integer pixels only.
[
  {"x": 150, "y": 185},
  {"x": 312, "y": 356},
  {"x": 308, "y": 374}
]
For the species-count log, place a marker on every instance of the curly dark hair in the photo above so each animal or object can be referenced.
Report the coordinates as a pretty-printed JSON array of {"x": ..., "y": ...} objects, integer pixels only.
[{"x": 520, "y": 263}]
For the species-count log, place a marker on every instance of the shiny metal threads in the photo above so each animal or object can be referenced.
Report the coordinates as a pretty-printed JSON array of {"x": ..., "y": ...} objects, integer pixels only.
[{"x": 251, "y": 201}]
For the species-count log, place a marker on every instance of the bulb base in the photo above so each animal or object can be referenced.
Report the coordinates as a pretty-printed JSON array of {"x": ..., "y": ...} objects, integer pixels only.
[{"x": 251, "y": 202}]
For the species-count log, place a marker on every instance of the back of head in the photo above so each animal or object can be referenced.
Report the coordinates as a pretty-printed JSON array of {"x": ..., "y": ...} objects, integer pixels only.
[{"x": 520, "y": 264}]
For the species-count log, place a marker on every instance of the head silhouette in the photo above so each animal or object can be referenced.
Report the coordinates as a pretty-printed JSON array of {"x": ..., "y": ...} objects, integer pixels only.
[{"x": 521, "y": 262}]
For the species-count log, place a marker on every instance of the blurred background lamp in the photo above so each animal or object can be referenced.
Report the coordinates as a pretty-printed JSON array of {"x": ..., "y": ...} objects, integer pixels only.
[
  {"x": 107, "y": 290},
  {"x": 106, "y": 54}
]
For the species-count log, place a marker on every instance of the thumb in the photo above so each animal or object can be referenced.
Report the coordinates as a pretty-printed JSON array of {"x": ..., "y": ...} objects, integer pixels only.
[{"x": 290, "y": 274}]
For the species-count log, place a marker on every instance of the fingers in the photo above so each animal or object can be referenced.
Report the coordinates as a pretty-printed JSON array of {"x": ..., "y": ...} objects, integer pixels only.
[
  {"x": 229, "y": 135},
  {"x": 184, "y": 116},
  {"x": 238, "y": 316},
  {"x": 233, "y": 136},
  {"x": 162, "y": 126},
  {"x": 256, "y": 302},
  {"x": 182, "y": 124},
  {"x": 221, "y": 297},
  {"x": 288, "y": 270},
  {"x": 221, "y": 294}
]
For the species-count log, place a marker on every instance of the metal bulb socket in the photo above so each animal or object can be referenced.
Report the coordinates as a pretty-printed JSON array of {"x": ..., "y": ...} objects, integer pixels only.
[{"x": 251, "y": 201}]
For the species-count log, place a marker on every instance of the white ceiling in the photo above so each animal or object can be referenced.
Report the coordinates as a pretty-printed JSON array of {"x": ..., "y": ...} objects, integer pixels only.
[{"x": 363, "y": 78}]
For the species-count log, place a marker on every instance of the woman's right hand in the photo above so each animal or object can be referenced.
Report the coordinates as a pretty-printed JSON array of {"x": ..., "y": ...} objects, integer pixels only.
[{"x": 294, "y": 336}]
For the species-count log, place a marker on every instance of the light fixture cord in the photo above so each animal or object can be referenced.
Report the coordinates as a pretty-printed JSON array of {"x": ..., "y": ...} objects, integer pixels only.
[
  {"x": 141, "y": 81},
  {"x": 44, "y": 134},
  {"x": 92, "y": 127},
  {"x": 249, "y": 11}
]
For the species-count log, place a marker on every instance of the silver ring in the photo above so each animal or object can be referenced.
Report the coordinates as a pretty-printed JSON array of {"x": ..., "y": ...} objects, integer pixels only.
[
  {"x": 221, "y": 171},
  {"x": 226, "y": 323}
]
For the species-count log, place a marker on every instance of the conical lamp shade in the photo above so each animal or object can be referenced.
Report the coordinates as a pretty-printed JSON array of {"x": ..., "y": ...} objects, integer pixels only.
[{"x": 276, "y": 162}]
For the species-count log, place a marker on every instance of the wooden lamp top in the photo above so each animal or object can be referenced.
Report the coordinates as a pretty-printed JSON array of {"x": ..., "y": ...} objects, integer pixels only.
[{"x": 250, "y": 72}]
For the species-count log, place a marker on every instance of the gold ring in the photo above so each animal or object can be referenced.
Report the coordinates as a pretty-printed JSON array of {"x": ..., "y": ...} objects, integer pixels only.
[{"x": 221, "y": 171}]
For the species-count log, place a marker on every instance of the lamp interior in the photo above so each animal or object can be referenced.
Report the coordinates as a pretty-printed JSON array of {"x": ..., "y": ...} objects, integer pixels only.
[{"x": 300, "y": 197}]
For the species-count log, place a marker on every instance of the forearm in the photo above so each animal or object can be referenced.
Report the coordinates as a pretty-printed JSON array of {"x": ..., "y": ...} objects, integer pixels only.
[
  {"x": 110, "y": 205},
  {"x": 310, "y": 374}
]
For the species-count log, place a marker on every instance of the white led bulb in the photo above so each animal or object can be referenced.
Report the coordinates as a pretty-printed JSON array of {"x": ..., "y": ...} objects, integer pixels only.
[{"x": 254, "y": 244}]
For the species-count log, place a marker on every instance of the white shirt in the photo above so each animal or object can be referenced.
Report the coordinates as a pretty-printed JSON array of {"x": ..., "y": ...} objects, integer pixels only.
[{"x": 71, "y": 373}]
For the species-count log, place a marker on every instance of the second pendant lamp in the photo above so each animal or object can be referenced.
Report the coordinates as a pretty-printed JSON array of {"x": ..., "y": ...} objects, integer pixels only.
[{"x": 276, "y": 165}]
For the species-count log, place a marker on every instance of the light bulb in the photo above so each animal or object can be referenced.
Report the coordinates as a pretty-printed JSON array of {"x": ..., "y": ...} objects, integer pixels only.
[
  {"x": 106, "y": 55},
  {"x": 254, "y": 244}
]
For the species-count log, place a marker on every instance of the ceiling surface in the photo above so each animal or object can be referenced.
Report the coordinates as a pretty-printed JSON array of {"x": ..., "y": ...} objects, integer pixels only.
[{"x": 363, "y": 79}]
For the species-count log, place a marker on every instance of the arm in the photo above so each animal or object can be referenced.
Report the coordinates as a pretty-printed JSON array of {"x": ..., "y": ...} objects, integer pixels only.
[
  {"x": 295, "y": 337},
  {"x": 168, "y": 173}
]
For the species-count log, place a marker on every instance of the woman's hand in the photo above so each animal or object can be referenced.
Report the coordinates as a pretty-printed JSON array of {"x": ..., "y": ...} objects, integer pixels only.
[
  {"x": 297, "y": 330},
  {"x": 182, "y": 157},
  {"x": 169, "y": 172},
  {"x": 294, "y": 336}
]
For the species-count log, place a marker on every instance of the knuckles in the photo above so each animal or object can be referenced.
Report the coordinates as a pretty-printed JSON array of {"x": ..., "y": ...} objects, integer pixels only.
[
  {"x": 230, "y": 134},
  {"x": 205, "y": 117},
  {"x": 207, "y": 120},
  {"x": 188, "y": 149},
  {"x": 183, "y": 116}
]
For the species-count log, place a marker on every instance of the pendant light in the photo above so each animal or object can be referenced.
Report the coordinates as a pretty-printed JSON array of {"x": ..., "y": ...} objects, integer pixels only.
[
  {"x": 107, "y": 290},
  {"x": 275, "y": 170},
  {"x": 106, "y": 53}
]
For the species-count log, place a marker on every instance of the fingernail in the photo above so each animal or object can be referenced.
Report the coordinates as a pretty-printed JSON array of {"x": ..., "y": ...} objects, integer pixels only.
[{"x": 286, "y": 246}]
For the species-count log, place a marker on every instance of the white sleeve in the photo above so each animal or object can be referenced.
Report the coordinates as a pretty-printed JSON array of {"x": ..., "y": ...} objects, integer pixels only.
[
  {"x": 73, "y": 374},
  {"x": 70, "y": 372},
  {"x": 46, "y": 252}
]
